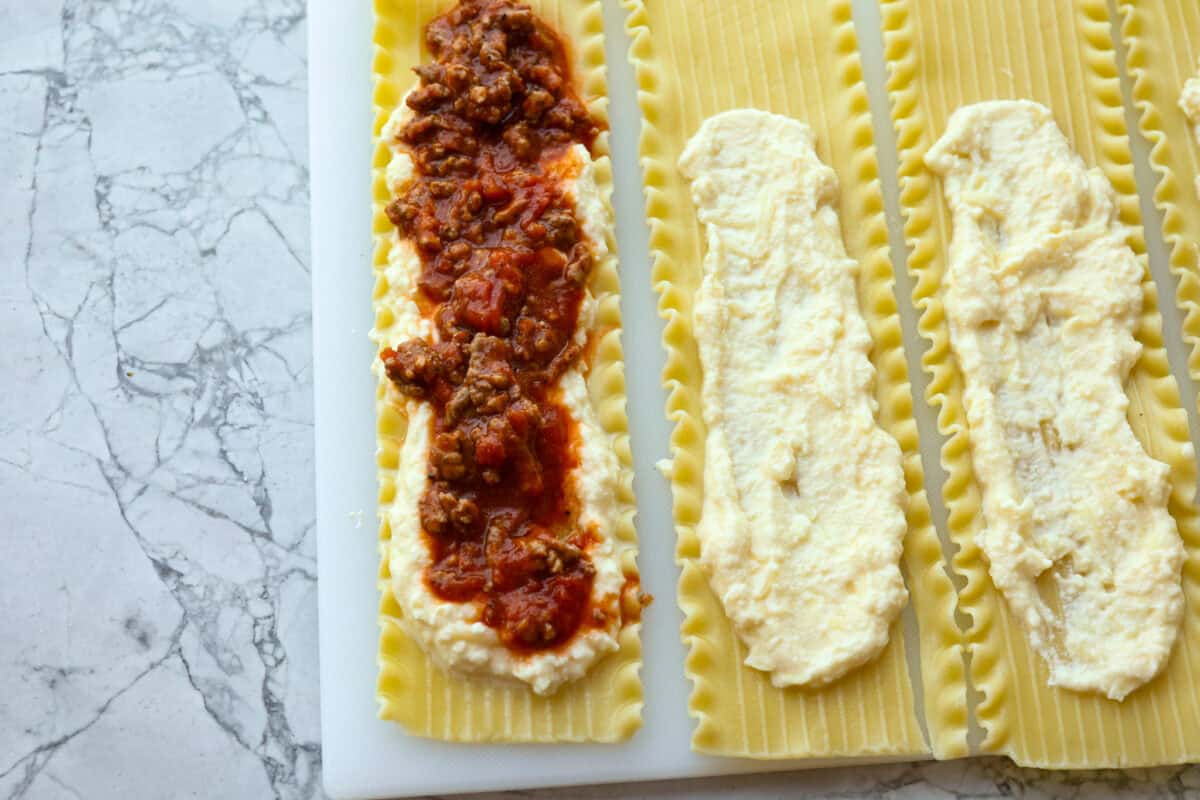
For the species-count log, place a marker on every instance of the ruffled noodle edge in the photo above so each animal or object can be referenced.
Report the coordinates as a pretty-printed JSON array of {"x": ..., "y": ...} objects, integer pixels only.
[{"x": 1180, "y": 230}]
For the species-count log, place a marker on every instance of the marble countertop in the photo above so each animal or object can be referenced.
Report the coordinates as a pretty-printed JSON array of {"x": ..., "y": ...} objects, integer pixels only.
[{"x": 157, "y": 572}]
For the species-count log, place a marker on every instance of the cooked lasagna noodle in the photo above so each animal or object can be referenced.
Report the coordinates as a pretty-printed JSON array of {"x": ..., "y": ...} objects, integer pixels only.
[
  {"x": 1042, "y": 295},
  {"x": 503, "y": 525},
  {"x": 802, "y": 523},
  {"x": 1189, "y": 101}
]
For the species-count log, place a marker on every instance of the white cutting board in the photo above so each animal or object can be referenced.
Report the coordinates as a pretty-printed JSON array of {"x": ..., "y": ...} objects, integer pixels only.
[{"x": 363, "y": 756}]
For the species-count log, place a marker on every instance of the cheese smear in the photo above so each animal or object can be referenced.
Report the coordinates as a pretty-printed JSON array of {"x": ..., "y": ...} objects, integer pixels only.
[
  {"x": 452, "y": 633},
  {"x": 1042, "y": 295},
  {"x": 803, "y": 517},
  {"x": 1189, "y": 101}
]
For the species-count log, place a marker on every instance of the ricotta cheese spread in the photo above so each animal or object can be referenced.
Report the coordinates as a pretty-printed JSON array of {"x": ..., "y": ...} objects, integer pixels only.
[
  {"x": 1042, "y": 295},
  {"x": 803, "y": 522},
  {"x": 451, "y": 632},
  {"x": 1189, "y": 101}
]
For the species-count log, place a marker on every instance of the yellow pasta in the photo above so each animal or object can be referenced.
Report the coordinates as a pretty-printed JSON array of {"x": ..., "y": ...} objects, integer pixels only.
[
  {"x": 799, "y": 59},
  {"x": 1162, "y": 38},
  {"x": 943, "y": 54},
  {"x": 605, "y": 705}
]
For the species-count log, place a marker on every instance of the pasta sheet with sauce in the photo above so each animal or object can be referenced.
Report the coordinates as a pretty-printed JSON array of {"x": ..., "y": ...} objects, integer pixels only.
[{"x": 605, "y": 705}]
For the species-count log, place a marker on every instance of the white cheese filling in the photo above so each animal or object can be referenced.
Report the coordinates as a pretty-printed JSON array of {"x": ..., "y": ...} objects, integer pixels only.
[
  {"x": 1189, "y": 101},
  {"x": 1042, "y": 295},
  {"x": 802, "y": 524},
  {"x": 452, "y": 633}
]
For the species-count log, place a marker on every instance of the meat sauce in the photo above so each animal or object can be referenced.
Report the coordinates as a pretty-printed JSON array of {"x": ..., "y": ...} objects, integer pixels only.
[{"x": 503, "y": 269}]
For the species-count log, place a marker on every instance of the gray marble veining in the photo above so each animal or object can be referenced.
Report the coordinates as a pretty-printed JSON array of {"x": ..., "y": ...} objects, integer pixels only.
[
  {"x": 157, "y": 567},
  {"x": 157, "y": 572}
]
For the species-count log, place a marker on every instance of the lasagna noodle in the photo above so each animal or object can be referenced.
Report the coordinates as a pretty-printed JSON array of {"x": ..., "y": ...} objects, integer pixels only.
[
  {"x": 1162, "y": 40},
  {"x": 799, "y": 59},
  {"x": 942, "y": 55},
  {"x": 606, "y": 704}
]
